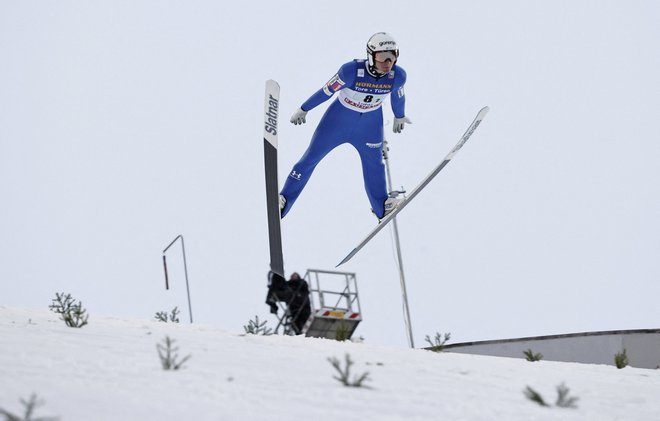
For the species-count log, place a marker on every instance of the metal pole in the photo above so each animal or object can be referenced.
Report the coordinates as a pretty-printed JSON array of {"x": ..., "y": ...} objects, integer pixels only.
[
  {"x": 167, "y": 281},
  {"x": 185, "y": 270},
  {"x": 402, "y": 277}
]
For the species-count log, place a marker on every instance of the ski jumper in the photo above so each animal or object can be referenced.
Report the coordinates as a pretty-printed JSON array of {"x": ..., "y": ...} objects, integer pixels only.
[{"x": 355, "y": 117}]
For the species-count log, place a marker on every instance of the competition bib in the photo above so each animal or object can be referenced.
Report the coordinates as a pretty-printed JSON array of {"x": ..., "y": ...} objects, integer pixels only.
[{"x": 361, "y": 101}]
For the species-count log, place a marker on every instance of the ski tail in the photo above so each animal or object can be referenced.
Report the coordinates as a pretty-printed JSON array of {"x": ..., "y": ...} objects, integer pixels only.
[{"x": 271, "y": 112}]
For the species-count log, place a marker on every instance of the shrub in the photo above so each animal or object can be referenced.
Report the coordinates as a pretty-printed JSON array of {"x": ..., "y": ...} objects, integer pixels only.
[
  {"x": 255, "y": 328},
  {"x": 438, "y": 343},
  {"x": 30, "y": 406},
  {"x": 168, "y": 355},
  {"x": 531, "y": 356},
  {"x": 534, "y": 396},
  {"x": 345, "y": 373},
  {"x": 73, "y": 314},
  {"x": 162, "y": 316},
  {"x": 621, "y": 359},
  {"x": 342, "y": 332},
  {"x": 563, "y": 400}
]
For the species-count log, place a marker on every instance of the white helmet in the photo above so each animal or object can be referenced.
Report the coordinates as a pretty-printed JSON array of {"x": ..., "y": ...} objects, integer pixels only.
[{"x": 380, "y": 42}]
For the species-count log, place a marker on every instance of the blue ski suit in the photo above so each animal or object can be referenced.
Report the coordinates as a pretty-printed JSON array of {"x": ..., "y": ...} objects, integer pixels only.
[{"x": 355, "y": 117}]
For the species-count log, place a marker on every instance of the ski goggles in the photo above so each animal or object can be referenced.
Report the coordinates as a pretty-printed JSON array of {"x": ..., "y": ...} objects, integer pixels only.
[{"x": 385, "y": 55}]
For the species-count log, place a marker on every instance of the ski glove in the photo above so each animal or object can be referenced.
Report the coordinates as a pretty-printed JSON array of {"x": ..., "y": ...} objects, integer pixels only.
[
  {"x": 399, "y": 123},
  {"x": 299, "y": 117}
]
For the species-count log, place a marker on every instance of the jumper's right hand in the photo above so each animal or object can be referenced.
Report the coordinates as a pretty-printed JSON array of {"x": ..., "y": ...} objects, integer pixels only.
[{"x": 299, "y": 117}]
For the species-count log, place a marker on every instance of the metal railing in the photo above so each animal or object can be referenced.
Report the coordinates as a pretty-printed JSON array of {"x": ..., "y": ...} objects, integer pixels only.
[
  {"x": 185, "y": 269},
  {"x": 344, "y": 297}
]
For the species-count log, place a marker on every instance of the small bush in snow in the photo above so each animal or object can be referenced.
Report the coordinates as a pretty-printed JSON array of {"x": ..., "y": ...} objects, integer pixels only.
[
  {"x": 534, "y": 396},
  {"x": 345, "y": 373},
  {"x": 168, "y": 355},
  {"x": 563, "y": 400},
  {"x": 438, "y": 343},
  {"x": 30, "y": 406},
  {"x": 342, "y": 333},
  {"x": 162, "y": 316},
  {"x": 73, "y": 314},
  {"x": 255, "y": 328},
  {"x": 531, "y": 356},
  {"x": 621, "y": 359}
]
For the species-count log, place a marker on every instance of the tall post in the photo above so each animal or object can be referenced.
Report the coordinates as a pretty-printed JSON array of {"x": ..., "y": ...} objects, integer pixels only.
[
  {"x": 402, "y": 277},
  {"x": 185, "y": 270}
]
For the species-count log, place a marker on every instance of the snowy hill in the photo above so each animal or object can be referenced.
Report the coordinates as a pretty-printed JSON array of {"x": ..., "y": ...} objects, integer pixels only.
[{"x": 110, "y": 370}]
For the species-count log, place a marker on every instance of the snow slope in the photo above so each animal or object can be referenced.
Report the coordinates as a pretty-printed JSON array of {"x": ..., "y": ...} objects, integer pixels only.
[{"x": 110, "y": 370}]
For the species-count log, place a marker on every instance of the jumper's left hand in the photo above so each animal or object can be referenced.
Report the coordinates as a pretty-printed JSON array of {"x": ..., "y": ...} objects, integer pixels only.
[{"x": 399, "y": 123}]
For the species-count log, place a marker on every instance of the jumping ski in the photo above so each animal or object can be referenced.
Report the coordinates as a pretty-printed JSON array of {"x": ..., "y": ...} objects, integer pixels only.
[
  {"x": 480, "y": 116},
  {"x": 271, "y": 110}
]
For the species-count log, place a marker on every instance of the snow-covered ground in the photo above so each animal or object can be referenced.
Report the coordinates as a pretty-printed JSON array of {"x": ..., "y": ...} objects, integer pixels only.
[{"x": 110, "y": 370}]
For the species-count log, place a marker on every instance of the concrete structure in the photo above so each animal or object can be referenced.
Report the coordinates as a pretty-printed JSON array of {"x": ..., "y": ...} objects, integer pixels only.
[{"x": 642, "y": 347}]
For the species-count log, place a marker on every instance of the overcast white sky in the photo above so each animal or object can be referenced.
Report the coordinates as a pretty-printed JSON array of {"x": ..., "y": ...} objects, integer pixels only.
[{"x": 126, "y": 123}]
